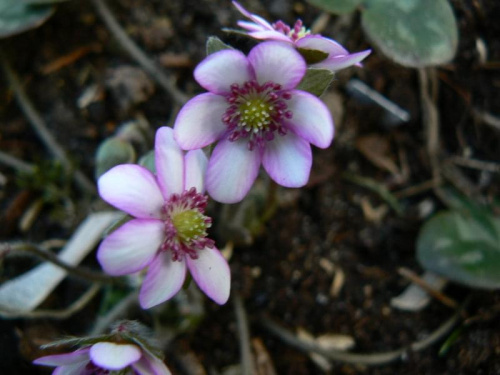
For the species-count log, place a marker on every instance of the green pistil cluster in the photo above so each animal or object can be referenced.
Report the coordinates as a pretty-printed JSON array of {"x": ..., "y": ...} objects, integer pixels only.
[
  {"x": 255, "y": 114},
  {"x": 190, "y": 225}
]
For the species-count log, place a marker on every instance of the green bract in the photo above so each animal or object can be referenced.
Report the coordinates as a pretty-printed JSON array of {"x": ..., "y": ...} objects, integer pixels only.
[
  {"x": 113, "y": 151},
  {"x": 462, "y": 246}
]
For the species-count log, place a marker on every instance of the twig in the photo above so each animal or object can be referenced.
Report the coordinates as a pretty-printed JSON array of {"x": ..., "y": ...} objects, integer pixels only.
[
  {"x": 487, "y": 118},
  {"x": 414, "y": 190},
  {"x": 477, "y": 164},
  {"x": 41, "y": 128},
  {"x": 76, "y": 306},
  {"x": 414, "y": 278},
  {"x": 15, "y": 163},
  {"x": 51, "y": 257},
  {"x": 118, "y": 312},
  {"x": 137, "y": 54},
  {"x": 376, "y": 359},
  {"x": 244, "y": 335}
]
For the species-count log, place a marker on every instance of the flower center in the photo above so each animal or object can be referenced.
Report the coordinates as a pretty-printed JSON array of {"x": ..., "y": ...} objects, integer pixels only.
[
  {"x": 256, "y": 112},
  {"x": 186, "y": 225},
  {"x": 298, "y": 31}
]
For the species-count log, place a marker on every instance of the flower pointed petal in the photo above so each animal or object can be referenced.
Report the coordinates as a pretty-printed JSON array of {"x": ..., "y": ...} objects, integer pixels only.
[
  {"x": 320, "y": 43},
  {"x": 277, "y": 62},
  {"x": 111, "y": 356},
  {"x": 340, "y": 62},
  {"x": 169, "y": 160},
  {"x": 131, "y": 247},
  {"x": 81, "y": 355},
  {"x": 250, "y": 26},
  {"x": 164, "y": 279},
  {"x": 125, "y": 187},
  {"x": 311, "y": 119},
  {"x": 149, "y": 365},
  {"x": 255, "y": 18},
  {"x": 75, "y": 369},
  {"x": 288, "y": 160},
  {"x": 270, "y": 35},
  {"x": 212, "y": 274},
  {"x": 199, "y": 122},
  {"x": 231, "y": 171},
  {"x": 221, "y": 69},
  {"x": 195, "y": 168}
]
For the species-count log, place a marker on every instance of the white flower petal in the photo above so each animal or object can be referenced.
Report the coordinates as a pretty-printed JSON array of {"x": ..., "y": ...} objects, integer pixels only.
[
  {"x": 78, "y": 356},
  {"x": 131, "y": 247},
  {"x": 125, "y": 187},
  {"x": 212, "y": 274},
  {"x": 288, "y": 159},
  {"x": 311, "y": 119},
  {"x": 341, "y": 62},
  {"x": 163, "y": 280},
  {"x": 111, "y": 356},
  {"x": 232, "y": 170},
  {"x": 199, "y": 122},
  {"x": 218, "y": 71},
  {"x": 270, "y": 35},
  {"x": 277, "y": 62},
  {"x": 195, "y": 167},
  {"x": 169, "y": 161}
]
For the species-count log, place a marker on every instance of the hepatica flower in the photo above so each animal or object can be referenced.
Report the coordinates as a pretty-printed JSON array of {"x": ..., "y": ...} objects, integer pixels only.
[
  {"x": 301, "y": 38},
  {"x": 257, "y": 116},
  {"x": 105, "y": 358},
  {"x": 169, "y": 231}
]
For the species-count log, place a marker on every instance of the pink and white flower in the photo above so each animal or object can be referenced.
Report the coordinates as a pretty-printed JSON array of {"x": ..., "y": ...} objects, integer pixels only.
[
  {"x": 103, "y": 358},
  {"x": 169, "y": 231},
  {"x": 302, "y": 38},
  {"x": 257, "y": 116}
]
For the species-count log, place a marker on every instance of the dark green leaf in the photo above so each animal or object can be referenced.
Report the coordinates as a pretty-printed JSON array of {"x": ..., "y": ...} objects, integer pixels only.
[
  {"x": 337, "y": 6},
  {"x": 312, "y": 56},
  {"x": 16, "y": 16},
  {"x": 460, "y": 247},
  {"x": 111, "y": 152},
  {"x": 413, "y": 33},
  {"x": 214, "y": 44},
  {"x": 316, "y": 81}
]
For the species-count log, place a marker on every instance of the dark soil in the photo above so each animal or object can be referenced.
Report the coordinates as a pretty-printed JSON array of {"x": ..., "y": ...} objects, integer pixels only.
[{"x": 286, "y": 273}]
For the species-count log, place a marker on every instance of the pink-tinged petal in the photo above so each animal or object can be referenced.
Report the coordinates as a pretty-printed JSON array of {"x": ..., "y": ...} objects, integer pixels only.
[
  {"x": 232, "y": 170},
  {"x": 270, "y": 35},
  {"x": 78, "y": 356},
  {"x": 250, "y": 26},
  {"x": 126, "y": 187},
  {"x": 199, "y": 122},
  {"x": 255, "y": 18},
  {"x": 111, "y": 356},
  {"x": 218, "y": 71},
  {"x": 163, "y": 280},
  {"x": 194, "y": 170},
  {"x": 169, "y": 161},
  {"x": 75, "y": 369},
  {"x": 340, "y": 62},
  {"x": 149, "y": 365},
  {"x": 277, "y": 62},
  {"x": 212, "y": 274},
  {"x": 288, "y": 159},
  {"x": 320, "y": 43},
  {"x": 131, "y": 247},
  {"x": 311, "y": 119}
]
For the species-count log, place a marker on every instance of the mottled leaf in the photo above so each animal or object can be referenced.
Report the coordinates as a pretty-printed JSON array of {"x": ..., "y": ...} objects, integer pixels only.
[
  {"x": 337, "y": 6},
  {"x": 459, "y": 246},
  {"x": 111, "y": 152},
  {"x": 17, "y": 16},
  {"x": 413, "y": 33}
]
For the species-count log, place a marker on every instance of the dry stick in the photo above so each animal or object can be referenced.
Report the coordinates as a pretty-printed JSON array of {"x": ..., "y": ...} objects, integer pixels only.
[
  {"x": 361, "y": 359},
  {"x": 72, "y": 309},
  {"x": 414, "y": 278},
  {"x": 137, "y": 54},
  {"x": 15, "y": 163},
  {"x": 51, "y": 257},
  {"x": 481, "y": 165},
  {"x": 244, "y": 335},
  {"x": 41, "y": 128}
]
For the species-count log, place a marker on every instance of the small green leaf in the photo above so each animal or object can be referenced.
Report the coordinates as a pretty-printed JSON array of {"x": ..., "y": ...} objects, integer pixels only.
[
  {"x": 111, "y": 152},
  {"x": 460, "y": 247},
  {"x": 316, "y": 81},
  {"x": 214, "y": 44},
  {"x": 148, "y": 161},
  {"x": 413, "y": 33},
  {"x": 16, "y": 16},
  {"x": 312, "y": 56},
  {"x": 337, "y": 6}
]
